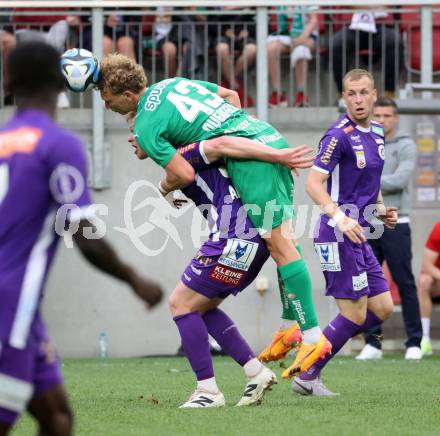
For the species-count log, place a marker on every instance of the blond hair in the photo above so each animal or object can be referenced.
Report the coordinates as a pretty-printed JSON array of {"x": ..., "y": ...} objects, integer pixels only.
[
  {"x": 357, "y": 74},
  {"x": 120, "y": 73}
]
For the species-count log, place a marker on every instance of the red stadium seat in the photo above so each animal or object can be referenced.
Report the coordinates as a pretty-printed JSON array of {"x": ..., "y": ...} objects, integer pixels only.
[{"x": 410, "y": 25}]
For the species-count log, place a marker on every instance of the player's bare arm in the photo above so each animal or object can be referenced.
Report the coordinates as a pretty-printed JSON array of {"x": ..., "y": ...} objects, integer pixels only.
[
  {"x": 101, "y": 255},
  {"x": 229, "y": 95},
  {"x": 179, "y": 174},
  {"x": 243, "y": 148},
  {"x": 317, "y": 192}
]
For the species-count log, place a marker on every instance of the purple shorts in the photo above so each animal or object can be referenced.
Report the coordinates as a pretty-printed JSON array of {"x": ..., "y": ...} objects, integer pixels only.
[
  {"x": 350, "y": 270},
  {"x": 225, "y": 267},
  {"x": 27, "y": 373}
]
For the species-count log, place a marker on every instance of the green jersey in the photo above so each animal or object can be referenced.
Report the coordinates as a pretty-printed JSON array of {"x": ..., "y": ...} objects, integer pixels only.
[{"x": 179, "y": 111}]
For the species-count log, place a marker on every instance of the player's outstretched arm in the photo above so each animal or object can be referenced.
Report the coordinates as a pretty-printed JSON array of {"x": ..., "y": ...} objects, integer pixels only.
[
  {"x": 243, "y": 148},
  {"x": 101, "y": 255},
  {"x": 317, "y": 192}
]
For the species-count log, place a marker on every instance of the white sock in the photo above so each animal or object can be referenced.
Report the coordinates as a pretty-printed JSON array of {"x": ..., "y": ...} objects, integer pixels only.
[
  {"x": 209, "y": 385},
  {"x": 252, "y": 368},
  {"x": 285, "y": 324},
  {"x": 311, "y": 336},
  {"x": 425, "y": 327}
]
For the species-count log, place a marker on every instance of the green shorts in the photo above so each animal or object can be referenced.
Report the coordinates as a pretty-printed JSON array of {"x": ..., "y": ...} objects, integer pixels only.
[{"x": 265, "y": 189}]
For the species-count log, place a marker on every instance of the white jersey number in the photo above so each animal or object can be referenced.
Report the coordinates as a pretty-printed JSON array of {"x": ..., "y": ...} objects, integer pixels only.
[
  {"x": 4, "y": 181},
  {"x": 189, "y": 107}
]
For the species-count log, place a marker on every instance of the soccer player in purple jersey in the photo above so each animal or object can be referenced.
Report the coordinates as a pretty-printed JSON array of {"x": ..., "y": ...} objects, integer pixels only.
[
  {"x": 42, "y": 167},
  {"x": 226, "y": 264},
  {"x": 349, "y": 162}
]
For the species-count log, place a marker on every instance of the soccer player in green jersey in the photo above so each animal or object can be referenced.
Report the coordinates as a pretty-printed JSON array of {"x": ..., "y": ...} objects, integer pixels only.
[{"x": 180, "y": 111}]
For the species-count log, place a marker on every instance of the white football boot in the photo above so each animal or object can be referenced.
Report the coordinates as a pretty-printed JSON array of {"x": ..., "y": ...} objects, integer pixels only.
[
  {"x": 203, "y": 399},
  {"x": 257, "y": 386}
]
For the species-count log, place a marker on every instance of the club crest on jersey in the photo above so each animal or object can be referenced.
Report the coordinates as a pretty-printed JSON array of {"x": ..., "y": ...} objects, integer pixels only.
[
  {"x": 381, "y": 150},
  {"x": 360, "y": 159},
  {"x": 328, "y": 256},
  {"x": 379, "y": 141},
  {"x": 238, "y": 254}
]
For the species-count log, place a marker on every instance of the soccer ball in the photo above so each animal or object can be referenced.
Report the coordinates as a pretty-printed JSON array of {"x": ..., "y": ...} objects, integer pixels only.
[{"x": 80, "y": 69}]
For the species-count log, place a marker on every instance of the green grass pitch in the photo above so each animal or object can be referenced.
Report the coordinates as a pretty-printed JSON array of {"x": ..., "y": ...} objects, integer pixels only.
[{"x": 141, "y": 397}]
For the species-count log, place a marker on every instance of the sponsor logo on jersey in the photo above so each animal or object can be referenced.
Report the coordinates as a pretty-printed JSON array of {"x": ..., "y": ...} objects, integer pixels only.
[
  {"x": 238, "y": 254},
  {"x": 381, "y": 150},
  {"x": 328, "y": 256},
  {"x": 378, "y": 130},
  {"x": 153, "y": 99},
  {"x": 355, "y": 138},
  {"x": 196, "y": 270},
  {"x": 358, "y": 147},
  {"x": 327, "y": 155},
  {"x": 360, "y": 159},
  {"x": 187, "y": 277},
  {"x": 379, "y": 141},
  {"x": 343, "y": 122},
  {"x": 21, "y": 140},
  {"x": 227, "y": 276},
  {"x": 348, "y": 129},
  {"x": 360, "y": 282},
  {"x": 186, "y": 148}
]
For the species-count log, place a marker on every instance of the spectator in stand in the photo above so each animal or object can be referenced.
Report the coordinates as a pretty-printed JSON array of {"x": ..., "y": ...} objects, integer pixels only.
[
  {"x": 120, "y": 35},
  {"x": 237, "y": 34},
  {"x": 429, "y": 284},
  {"x": 52, "y": 29},
  {"x": 358, "y": 31},
  {"x": 7, "y": 43},
  {"x": 295, "y": 33},
  {"x": 394, "y": 246}
]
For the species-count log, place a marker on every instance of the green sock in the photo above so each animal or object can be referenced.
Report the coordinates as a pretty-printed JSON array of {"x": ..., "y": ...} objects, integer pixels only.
[
  {"x": 299, "y": 250},
  {"x": 288, "y": 313},
  {"x": 296, "y": 283}
]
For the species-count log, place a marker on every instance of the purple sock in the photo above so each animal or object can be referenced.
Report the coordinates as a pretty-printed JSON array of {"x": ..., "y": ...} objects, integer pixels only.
[
  {"x": 195, "y": 342},
  {"x": 338, "y": 332},
  {"x": 226, "y": 333},
  {"x": 370, "y": 321}
]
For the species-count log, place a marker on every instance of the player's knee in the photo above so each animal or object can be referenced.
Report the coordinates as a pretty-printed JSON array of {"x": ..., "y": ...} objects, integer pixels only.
[{"x": 177, "y": 305}]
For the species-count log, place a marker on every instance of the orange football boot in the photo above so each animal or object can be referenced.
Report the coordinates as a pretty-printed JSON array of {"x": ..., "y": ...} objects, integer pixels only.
[
  {"x": 283, "y": 341},
  {"x": 307, "y": 355}
]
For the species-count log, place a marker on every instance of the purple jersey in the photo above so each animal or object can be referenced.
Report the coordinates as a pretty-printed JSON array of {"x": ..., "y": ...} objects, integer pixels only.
[
  {"x": 42, "y": 167},
  {"x": 353, "y": 156},
  {"x": 213, "y": 193},
  {"x": 233, "y": 255}
]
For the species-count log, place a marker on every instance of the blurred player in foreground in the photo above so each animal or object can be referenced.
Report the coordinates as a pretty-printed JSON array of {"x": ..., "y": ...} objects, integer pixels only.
[
  {"x": 350, "y": 161},
  {"x": 42, "y": 169},
  {"x": 180, "y": 111}
]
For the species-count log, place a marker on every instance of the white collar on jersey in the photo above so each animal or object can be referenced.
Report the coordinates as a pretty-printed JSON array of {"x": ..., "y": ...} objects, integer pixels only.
[{"x": 363, "y": 129}]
